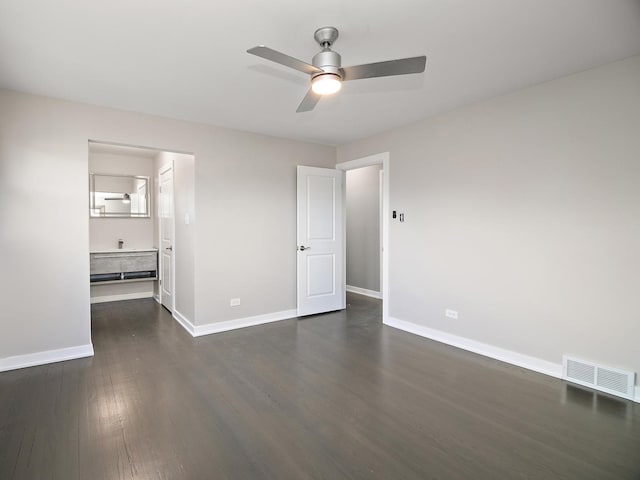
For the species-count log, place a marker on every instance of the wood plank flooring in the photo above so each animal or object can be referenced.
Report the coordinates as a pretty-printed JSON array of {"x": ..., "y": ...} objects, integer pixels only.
[{"x": 334, "y": 396}]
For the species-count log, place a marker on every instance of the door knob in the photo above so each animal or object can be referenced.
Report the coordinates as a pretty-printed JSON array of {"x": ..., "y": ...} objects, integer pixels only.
[
  {"x": 302, "y": 248},
  {"x": 169, "y": 248}
]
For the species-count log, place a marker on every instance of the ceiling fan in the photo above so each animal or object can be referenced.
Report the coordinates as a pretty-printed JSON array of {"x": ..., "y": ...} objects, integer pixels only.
[{"x": 326, "y": 71}]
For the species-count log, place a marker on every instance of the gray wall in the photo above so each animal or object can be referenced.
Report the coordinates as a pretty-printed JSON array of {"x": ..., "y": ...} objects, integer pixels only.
[
  {"x": 363, "y": 227},
  {"x": 246, "y": 207},
  {"x": 522, "y": 213},
  {"x": 244, "y": 192},
  {"x": 185, "y": 239}
]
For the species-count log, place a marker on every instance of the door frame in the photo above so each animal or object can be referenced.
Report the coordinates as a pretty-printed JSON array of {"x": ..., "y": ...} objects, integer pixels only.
[
  {"x": 163, "y": 169},
  {"x": 384, "y": 160}
]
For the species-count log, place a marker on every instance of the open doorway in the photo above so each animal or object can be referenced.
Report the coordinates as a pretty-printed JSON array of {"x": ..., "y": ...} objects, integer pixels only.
[
  {"x": 367, "y": 252},
  {"x": 141, "y": 229},
  {"x": 321, "y": 239},
  {"x": 123, "y": 257},
  {"x": 363, "y": 205}
]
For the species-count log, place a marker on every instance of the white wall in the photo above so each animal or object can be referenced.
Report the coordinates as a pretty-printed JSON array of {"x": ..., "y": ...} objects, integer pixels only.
[
  {"x": 522, "y": 213},
  {"x": 363, "y": 227},
  {"x": 244, "y": 193}
]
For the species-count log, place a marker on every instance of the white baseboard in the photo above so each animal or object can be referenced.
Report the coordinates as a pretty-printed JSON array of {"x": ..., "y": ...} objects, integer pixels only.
[
  {"x": 185, "y": 322},
  {"x": 219, "y": 327},
  {"x": 227, "y": 325},
  {"x": 121, "y": 296},
  {"x": 156, "y": 298},
  {"x": 508, "y": 356},
  {"x": 42, "y": 358},
  {"x": 637, "y": 397},
  {"x": 364, "y": 291}
]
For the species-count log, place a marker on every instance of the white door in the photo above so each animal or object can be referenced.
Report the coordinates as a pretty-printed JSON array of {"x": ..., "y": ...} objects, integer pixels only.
[
  {"x": 320, "y": 240},
  {"x": 165, "y": 224}
]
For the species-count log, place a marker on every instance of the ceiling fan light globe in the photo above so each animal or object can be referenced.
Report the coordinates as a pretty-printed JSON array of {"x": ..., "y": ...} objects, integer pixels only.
[{"x": 326, "y": 84}]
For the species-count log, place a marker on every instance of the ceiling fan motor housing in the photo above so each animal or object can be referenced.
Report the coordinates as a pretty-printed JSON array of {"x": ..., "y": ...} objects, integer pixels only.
[{"x": 329, "y": 61}]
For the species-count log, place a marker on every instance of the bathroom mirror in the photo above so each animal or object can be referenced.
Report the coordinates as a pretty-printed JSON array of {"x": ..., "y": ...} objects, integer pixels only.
[{"x": 118, "y": 196}]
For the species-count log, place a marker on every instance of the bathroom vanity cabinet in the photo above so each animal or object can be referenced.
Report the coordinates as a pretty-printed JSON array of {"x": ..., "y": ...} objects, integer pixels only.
[{"x": 119, "y": 266}]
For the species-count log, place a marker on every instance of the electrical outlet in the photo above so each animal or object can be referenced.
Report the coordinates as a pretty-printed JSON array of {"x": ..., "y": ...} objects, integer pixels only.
[
  {"x": 451, "y": 314},
  {"x": 234, "y": 302}
]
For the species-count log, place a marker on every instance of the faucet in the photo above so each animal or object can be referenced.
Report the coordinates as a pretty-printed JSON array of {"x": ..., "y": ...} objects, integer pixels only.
[{"x": 120, "y": 243}]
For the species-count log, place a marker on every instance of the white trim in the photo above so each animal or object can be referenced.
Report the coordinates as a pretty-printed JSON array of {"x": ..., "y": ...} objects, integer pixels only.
[
  {"x": 156, "y": 297},
  {"x": 380, "y": 222},
  {"x": 377, "y": 159},
  {"x": 364, "y": 291},
  {"x": 219, "y": 327},
  {"x": 508, "y": 356},
  {"x": 121, "y": 296},
  {"x": 637, "y": 397},
  {"x": 154, "y": 149},
  {"x": 184, "y": 322},
  {"x": 48, "y": 356},
  {"x": 384, "y": 160},
  {"x": 227, "y": 325}
]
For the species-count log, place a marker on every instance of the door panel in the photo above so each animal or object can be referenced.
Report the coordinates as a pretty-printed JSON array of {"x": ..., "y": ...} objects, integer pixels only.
[
  {"x": 320, "y": 208},
  {"x": 165, "y": 214},
  {"x": 320, "y": 240},
  {"x": 321, "y": 274}
]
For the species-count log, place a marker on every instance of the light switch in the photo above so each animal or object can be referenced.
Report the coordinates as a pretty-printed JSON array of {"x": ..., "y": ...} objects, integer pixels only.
[{"x": 186, "y": 219}]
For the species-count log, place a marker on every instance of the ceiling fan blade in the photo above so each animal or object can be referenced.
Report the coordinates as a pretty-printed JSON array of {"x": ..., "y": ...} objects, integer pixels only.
[
  {"x": 402, "y": 66},
  {"x": 308, "y": 102},
  {"x": 282, "y": 59}
]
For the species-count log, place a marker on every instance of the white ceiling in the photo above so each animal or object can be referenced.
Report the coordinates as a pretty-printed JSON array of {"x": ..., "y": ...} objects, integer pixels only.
[{"x": 187, "y": 59}]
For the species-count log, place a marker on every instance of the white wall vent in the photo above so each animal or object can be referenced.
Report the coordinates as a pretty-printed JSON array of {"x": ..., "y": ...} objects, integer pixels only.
[{"x": 606, "y": 379}]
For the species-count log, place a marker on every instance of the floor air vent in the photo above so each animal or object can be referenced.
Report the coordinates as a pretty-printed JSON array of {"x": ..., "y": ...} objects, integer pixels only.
[{"x": 606, "y": 379}]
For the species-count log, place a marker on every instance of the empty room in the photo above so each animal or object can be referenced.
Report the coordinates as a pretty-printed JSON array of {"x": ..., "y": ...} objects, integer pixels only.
[{"x": 335, "y": 240}]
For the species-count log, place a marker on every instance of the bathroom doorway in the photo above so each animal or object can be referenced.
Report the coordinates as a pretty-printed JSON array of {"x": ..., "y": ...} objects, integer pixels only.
[
  {"x": 147, "y": 249},
  {"x": 123, "y": 255}
]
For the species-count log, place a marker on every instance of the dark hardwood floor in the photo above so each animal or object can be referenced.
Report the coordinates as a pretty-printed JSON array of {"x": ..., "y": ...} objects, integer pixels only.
[{"x": 327, "y": 397}]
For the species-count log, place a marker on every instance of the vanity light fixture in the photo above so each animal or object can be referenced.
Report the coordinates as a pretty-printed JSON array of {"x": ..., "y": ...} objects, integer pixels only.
[{"x": 125, "y": 198}]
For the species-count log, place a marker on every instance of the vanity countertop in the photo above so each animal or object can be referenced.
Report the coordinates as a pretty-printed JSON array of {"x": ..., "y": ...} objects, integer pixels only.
[{"x": 124, "y": 250}]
